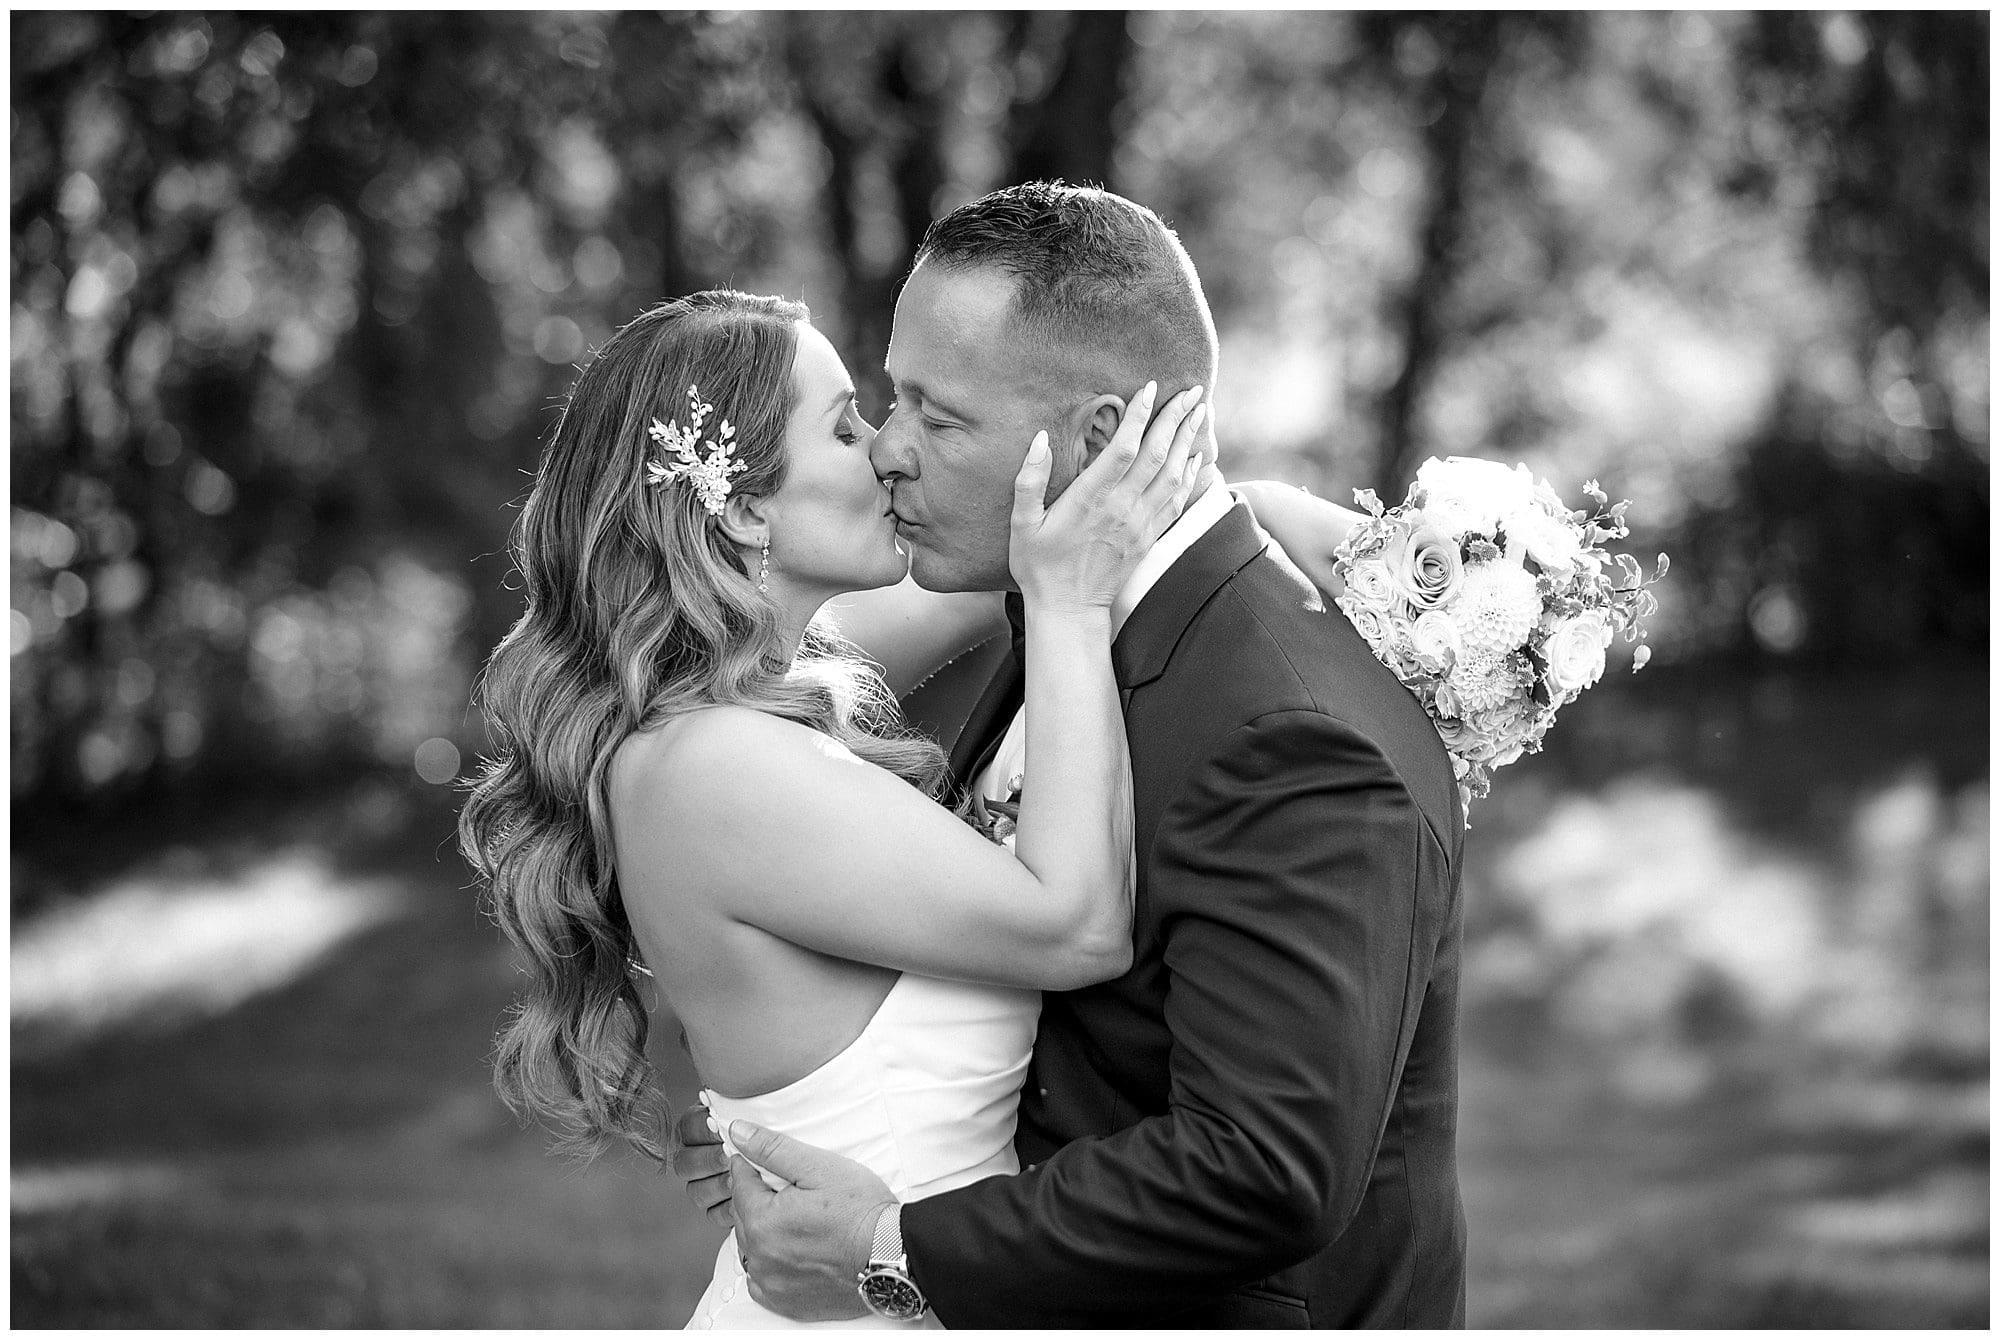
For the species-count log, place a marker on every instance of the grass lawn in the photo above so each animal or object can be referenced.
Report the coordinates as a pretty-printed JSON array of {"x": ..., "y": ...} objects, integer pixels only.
[
  {"x": 331, "y": 1154},
  {"x": 328, "y": 1153}
]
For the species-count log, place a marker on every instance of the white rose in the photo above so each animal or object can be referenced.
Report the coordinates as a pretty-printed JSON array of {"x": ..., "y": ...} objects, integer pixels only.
[
  {"x": 1452, "y": 516},
  {"x": 1551, "y": 543},
  {"x": 1575, "y": 653},
  {"x": 1394, "y": 650},
  {"x": 1370, "y": 623},
  {"x": 1368, "y": 585},
  {"x": 1423, "y": 567},
  {"x": 1435, "y": 641},
  {"x": 1480, "y": 492}
]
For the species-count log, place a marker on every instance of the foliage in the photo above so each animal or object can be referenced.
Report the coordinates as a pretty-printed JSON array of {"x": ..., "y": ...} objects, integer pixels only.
[
  {"x": 295, "y": 294},
  {"x": 288, "y": 300}
]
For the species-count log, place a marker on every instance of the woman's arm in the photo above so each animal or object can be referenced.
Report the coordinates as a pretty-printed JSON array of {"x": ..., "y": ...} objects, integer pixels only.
[
  {"x": 786, "y": 831},
  {"x": 1308, "y": 529},
  {"x": 781, "y": 829},
  {"x": 913, "y": 633}
]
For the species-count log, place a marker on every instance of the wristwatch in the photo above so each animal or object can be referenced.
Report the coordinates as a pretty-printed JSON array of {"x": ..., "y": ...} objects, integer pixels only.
[{"x": 886, "y": 1285}]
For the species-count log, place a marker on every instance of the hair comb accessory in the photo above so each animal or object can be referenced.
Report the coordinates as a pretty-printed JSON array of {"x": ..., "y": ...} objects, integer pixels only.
[{"x": 707, "y": 464}]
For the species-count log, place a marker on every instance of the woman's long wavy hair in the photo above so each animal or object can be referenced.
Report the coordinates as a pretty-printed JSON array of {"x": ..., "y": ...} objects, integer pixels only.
[{"x": 638, "y": 608}]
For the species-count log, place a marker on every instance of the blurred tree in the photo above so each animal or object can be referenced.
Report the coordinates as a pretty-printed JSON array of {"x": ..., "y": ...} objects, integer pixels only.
[
  {"x": 1900, "y": 205},
  {"x": 294, "y": 297},
  {"x": 286, "y": 296},
  {"x": 1616, "y": 245},
  {"x": 1069, "y": 76},
  {"x": 887, "y": 97},
  {"x": 1858, "y": 523},
  {"x": 1449, "y": 72},
  {"x": 875, "y": 89}
]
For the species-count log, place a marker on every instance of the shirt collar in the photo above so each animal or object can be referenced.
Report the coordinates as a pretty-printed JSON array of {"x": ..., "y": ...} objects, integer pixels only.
[{"x": 1196, "y": 521}]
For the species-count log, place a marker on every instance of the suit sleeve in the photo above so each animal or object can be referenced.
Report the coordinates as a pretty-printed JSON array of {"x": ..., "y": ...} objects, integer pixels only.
[{"x": 1285, "y": 881}]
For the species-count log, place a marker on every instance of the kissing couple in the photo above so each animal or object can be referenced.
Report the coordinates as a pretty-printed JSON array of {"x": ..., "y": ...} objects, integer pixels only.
[{"x": 1140, "y": 1008}]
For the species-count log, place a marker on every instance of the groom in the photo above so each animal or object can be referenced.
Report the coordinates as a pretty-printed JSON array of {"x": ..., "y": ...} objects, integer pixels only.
[{"x": 1254, "y": 1126}]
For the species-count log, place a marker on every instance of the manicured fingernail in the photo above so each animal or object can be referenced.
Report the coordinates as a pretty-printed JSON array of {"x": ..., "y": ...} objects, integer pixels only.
[
  {"x": 1199, "y": 416},
  {"x": 1194, "y": 394},
  {"x": 1151, "y": 389},
  {"x": 713, "y": 1129},
  {"x": 1039, "y": 448}
]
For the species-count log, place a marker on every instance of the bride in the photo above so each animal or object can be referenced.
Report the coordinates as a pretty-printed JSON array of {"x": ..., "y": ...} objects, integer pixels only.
[{"x": 700, "y": 781}]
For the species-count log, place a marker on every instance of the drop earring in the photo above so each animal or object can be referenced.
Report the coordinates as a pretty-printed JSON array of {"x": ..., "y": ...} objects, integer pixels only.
[{"x": 764, "y": 568}]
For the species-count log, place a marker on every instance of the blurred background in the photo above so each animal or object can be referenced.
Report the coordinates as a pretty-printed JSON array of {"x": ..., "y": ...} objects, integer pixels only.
[{"x": 295, "y": 298}]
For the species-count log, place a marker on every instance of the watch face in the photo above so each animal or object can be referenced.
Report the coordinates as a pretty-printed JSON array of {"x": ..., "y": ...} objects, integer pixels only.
[{"x": 891, "y": 1294}]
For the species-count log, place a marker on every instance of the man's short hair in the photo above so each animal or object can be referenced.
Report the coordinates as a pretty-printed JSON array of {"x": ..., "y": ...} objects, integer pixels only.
[{"x": 1100, "y": 279}]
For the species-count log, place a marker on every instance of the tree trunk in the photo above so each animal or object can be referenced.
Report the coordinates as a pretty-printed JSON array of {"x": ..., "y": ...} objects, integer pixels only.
[
  {"x": 660, "y": 208},
  {"x": 1068, "y": 133},
  {"x": 1471, "y": 50},
  {"x": 904, "y": 126}
]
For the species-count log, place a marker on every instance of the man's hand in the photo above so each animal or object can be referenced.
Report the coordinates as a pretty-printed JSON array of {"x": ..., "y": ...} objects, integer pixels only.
[
  {"x": 805, "y": 1246},
  {"x": 700, "y": 1161}
]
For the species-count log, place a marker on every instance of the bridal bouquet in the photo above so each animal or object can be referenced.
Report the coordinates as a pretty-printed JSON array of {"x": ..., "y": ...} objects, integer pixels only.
[{"x": 1492, "y": 602}]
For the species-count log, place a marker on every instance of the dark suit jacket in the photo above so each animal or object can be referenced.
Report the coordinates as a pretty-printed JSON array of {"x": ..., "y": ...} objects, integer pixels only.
[{"x": 1255, "y": 1126}]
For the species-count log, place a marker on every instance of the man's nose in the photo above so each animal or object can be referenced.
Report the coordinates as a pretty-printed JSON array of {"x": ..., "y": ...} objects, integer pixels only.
[{"x": 889, "y": 455}]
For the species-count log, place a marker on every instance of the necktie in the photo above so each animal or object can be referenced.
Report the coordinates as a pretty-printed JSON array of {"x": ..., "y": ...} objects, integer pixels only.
[
  {"x": 1017, "y": 626},
  {"x": 991, "y": 715}
]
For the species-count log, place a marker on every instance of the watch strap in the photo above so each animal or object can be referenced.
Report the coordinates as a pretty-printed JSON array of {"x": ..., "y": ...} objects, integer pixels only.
[{"x": 887, "y": 1247}]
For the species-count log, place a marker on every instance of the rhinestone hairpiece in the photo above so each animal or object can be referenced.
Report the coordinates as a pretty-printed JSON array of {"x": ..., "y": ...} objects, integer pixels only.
[{"x": 707, "y": 464}]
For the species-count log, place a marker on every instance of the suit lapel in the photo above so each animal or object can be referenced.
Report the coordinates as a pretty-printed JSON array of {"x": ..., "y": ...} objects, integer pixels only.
[
  {"x": 1154, "y": 629},
  {"x": 1141, "y": 650}
]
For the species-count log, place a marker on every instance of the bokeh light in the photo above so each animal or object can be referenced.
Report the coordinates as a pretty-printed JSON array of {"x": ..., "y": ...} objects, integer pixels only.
[{"x": 437, "y": 760}]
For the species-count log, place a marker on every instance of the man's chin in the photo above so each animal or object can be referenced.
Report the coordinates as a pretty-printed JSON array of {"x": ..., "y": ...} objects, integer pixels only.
[
  {"x": 933, "y": 572},
  {"x": 933, "y": 577}
]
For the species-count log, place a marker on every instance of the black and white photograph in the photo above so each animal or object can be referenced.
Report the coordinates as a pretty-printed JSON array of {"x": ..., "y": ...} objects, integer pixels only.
[{"x": 1039, "y": 669}]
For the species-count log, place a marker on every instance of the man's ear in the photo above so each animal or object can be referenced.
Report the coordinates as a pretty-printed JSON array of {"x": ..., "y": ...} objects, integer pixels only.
[
  {"x": 744, "y": 521},
  {"x": 1097, "y": 425}
]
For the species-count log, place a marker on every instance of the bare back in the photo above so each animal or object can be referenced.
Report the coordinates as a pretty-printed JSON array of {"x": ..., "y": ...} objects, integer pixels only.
[{"x": 760, "y": 1011}]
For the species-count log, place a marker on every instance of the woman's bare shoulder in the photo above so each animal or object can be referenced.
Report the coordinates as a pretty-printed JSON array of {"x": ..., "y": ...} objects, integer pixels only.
[{"x": 716, "y": 754}]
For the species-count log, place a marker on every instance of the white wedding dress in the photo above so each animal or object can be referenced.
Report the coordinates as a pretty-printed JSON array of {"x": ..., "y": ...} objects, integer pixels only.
[{"x": 926, "y": 1097}]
